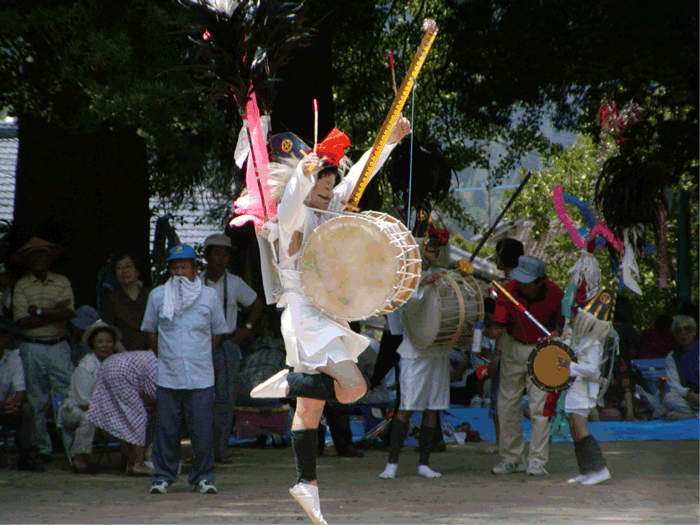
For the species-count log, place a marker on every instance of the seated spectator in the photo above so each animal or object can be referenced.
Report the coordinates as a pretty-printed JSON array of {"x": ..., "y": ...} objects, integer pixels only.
[
  {"x": 267, "y": 357},
  {"x": 100, "y": 338},
  {"x": 15, "y": 412},
  {"x": 124, "y": 392},
  {"x": 681, "y": 396},
  {"x": 657, "y": 342},
  {"x": 85, "y": 316},
  {"x": 124, "y": 307}
]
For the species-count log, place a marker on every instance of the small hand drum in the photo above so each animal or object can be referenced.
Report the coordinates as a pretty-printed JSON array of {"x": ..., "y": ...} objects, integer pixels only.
[{"x": 543, "y": 369}]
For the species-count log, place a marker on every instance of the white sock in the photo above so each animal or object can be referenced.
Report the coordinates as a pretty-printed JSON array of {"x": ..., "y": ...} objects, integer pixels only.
[
  {"x": 389, "y": 471},
  {"x": 427, "y": 472}
]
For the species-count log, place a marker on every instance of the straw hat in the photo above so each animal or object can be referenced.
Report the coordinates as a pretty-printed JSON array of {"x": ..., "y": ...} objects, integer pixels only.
[
  {"x": 101, "y": 325},
  {"x": 35, "y": 243}
]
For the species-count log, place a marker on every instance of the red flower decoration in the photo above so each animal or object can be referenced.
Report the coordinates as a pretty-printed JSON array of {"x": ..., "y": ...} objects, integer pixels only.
[
  {"x": 333, "y": 146},
  {"x": 442, "y": 235}
]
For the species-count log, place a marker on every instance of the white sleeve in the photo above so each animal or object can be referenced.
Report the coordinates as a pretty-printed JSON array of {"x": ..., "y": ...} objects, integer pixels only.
[
  {"x": 244, "y": 294},
  {"x": 343, "y": 190},
  {"x": 591, "y": 368},
  {"x": 673, "y": 380},
  {"x": 291, "y": 208},
  {"x": 18, "y": 381}
]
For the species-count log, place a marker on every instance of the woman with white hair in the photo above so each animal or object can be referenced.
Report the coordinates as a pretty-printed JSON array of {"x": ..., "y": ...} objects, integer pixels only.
[{"x": 681, "y": 392}]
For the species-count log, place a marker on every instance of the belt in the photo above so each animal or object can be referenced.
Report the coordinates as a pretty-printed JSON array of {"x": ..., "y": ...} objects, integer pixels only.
[{"x": 40, "y": 341}]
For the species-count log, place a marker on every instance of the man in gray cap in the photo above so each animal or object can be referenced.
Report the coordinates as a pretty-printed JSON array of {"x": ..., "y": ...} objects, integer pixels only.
[
  {"x": 234, "y": 294},
  {"x": 517, "y": 335}
]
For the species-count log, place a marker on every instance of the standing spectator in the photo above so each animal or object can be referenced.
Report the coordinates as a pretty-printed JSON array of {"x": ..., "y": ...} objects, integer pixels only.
[
  {"x": 508, "y": 251},
  {"x": 184, "y": 320},
  {"x": 101, "y": 339},
  {"x": 124, "y": 307},
  {"x": 85, "y": 316},
  {"x": 681, "y": 396},
  {"x": 657, "y": 342},
  {"x": 124, "y": 394},
  {"x": 233, "y": 293},
  {"x": 15, "y": 412},
  {"x": 516, "y": 336},
  {"x": 43, "y": 302}
]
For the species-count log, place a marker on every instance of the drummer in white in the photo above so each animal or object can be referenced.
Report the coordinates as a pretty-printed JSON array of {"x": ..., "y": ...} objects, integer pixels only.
[
  {"x": 322, "y": 351},
  {"x": 424, "y": 379}
]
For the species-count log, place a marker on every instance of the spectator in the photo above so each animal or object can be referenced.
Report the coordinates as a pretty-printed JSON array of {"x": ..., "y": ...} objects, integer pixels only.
[
  {"x": 15, "y": 412},
  {"x": 7, "y": 282},
  {"x": 124, "y": 395},
  {"x": 43, "y": 302},
  {"x": 619, "y": 395},
  {"x": 233, "y": 294},
  {"x": 657, "y": 342},
  {"x": 85, "y": 316},
  {"x": 124, "y": 307},
  {"x": 184, "y": 320},
  {"x": 681, "y": 396},
  {"x": 101, "y": 339},
  {"x": 516, "y": 337}
]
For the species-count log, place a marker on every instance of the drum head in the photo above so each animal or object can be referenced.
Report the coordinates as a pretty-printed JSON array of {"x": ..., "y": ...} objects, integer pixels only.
[
  {"x": 543, "y": 369},
  {"x": 348, "y": 267}
]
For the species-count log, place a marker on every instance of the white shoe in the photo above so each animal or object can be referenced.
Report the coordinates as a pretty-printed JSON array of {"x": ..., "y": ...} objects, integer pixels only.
[
  {"x": 307, "y": 496},
  {"x": 205, "y": 487},
  {"x": 427, "y": 472},
  {"x": 578, "y": 479},
  {"x": 509, "y": 468},
  {"x": 593, "y": 478},
  {"x": 274, "y": 387},
  {"x": 476, "y": 402},
  {"x": 534, "y": 468},
  {"x": 389, "y": 471}
]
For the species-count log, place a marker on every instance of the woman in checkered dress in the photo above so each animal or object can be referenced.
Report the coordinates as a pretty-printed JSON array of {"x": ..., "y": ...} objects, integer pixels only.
[{"x": 125, "y": 383}]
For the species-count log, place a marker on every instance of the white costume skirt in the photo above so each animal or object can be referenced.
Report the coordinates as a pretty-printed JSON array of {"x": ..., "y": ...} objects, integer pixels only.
[
  {"x": 425, "y": 382},
  {"x": 312, "y": 338},
  {"x": 576, "y": 400}
]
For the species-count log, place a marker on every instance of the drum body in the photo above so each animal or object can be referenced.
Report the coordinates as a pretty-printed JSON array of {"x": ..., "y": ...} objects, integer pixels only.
[
  {"x": 356, "y": 266},
  {"x": 445, "y": 315},
  {"x": 543, "y": 369}
]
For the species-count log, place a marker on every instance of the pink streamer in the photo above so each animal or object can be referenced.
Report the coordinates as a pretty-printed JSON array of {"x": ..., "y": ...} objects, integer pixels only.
[
  {"x": 253, "y": 206},
  {"x": 599, "y": 229},
  {"x": 663, "y": 253}
]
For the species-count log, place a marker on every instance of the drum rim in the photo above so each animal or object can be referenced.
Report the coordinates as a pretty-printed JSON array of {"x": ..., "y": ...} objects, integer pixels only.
[{"x": 531, "y": 361}]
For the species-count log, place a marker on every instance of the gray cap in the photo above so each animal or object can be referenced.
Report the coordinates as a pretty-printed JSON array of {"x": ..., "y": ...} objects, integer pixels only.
[
  {"x": 528, "y": 269},
  {"x": 217, "y": 239}
]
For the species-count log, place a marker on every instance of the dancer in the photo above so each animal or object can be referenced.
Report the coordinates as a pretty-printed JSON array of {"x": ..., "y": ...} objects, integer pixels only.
[
  {"x": 589, "y": 327},
  {"x": 322, "y": 351},
  {"x": 424, "y": 379}
]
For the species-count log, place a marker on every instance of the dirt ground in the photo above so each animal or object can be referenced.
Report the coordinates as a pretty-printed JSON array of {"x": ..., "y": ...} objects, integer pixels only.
[{"x": 653, "y": 482}]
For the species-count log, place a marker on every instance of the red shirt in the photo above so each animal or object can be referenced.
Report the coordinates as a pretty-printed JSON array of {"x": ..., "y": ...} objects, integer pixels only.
[{"x": 546, "y": 308}]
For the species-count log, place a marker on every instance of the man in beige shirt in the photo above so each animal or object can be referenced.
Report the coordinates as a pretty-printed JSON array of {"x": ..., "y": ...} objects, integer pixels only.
[{"x": 42, "y": 303}]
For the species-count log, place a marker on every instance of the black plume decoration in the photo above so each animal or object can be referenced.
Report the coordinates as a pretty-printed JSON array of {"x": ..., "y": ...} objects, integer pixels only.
[
  {"x": 247, "y": 46},
  {"x": 629, "y": 193}
]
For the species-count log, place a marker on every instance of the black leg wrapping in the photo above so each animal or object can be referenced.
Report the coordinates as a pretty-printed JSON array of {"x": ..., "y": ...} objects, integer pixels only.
[
  {"x": 311, "y": 386},
  {"x": 304, "y": 443},
  {"x": 425, "y": 444},
  {"x": 399, "y": 431},
  {"x": 578, "y": 450},
  {"x": 592, "y": 454}
]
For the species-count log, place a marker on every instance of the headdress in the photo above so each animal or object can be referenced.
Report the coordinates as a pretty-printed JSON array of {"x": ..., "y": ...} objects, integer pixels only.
[
  {"x": 592, "y": 319},
  {"x": 438, "y": 236}
]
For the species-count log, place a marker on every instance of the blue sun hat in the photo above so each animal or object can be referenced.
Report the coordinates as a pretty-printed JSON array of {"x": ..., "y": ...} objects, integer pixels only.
[{"x": 181, "y": 251}]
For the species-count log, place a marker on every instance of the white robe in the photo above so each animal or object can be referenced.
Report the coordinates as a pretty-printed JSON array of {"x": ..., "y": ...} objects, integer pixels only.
[
  {"x": 583, "y": 393},
  {"x": 312, "y": 338}
]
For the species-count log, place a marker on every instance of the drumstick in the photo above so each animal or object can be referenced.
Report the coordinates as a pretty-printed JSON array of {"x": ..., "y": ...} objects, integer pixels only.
[
  {"x": 393, "y": 76},
  {"x": 522, "y": 308},
  {"x": 315, "y": 124}
]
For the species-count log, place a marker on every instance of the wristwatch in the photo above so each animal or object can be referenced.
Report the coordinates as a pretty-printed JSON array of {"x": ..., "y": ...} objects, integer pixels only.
[
  {"x": 38, "y": 312},
  {"x": 249, "y": 326}
]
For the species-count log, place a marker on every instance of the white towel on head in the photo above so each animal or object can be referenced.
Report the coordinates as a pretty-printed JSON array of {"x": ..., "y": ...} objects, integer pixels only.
[{"x": 179, "y": 294}]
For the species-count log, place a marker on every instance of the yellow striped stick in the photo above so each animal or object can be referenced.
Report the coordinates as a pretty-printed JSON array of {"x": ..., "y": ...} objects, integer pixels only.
[{"x": 394, "y": 112}]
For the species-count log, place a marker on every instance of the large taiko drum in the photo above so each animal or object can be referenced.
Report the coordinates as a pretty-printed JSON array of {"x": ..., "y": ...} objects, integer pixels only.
[
  {"x": 446, "y": 313},
  {"x": 542, "y": 365},
  {"x": 360, "y": 265}
]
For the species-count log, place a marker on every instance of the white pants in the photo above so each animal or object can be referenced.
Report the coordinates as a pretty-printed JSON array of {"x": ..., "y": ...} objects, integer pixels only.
[
  {"x": 425, "y": 382},
  {"x": 514, "y": 379},
  {"x": 676, "y": 402},
  {"x": 80, "y": 430}
]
